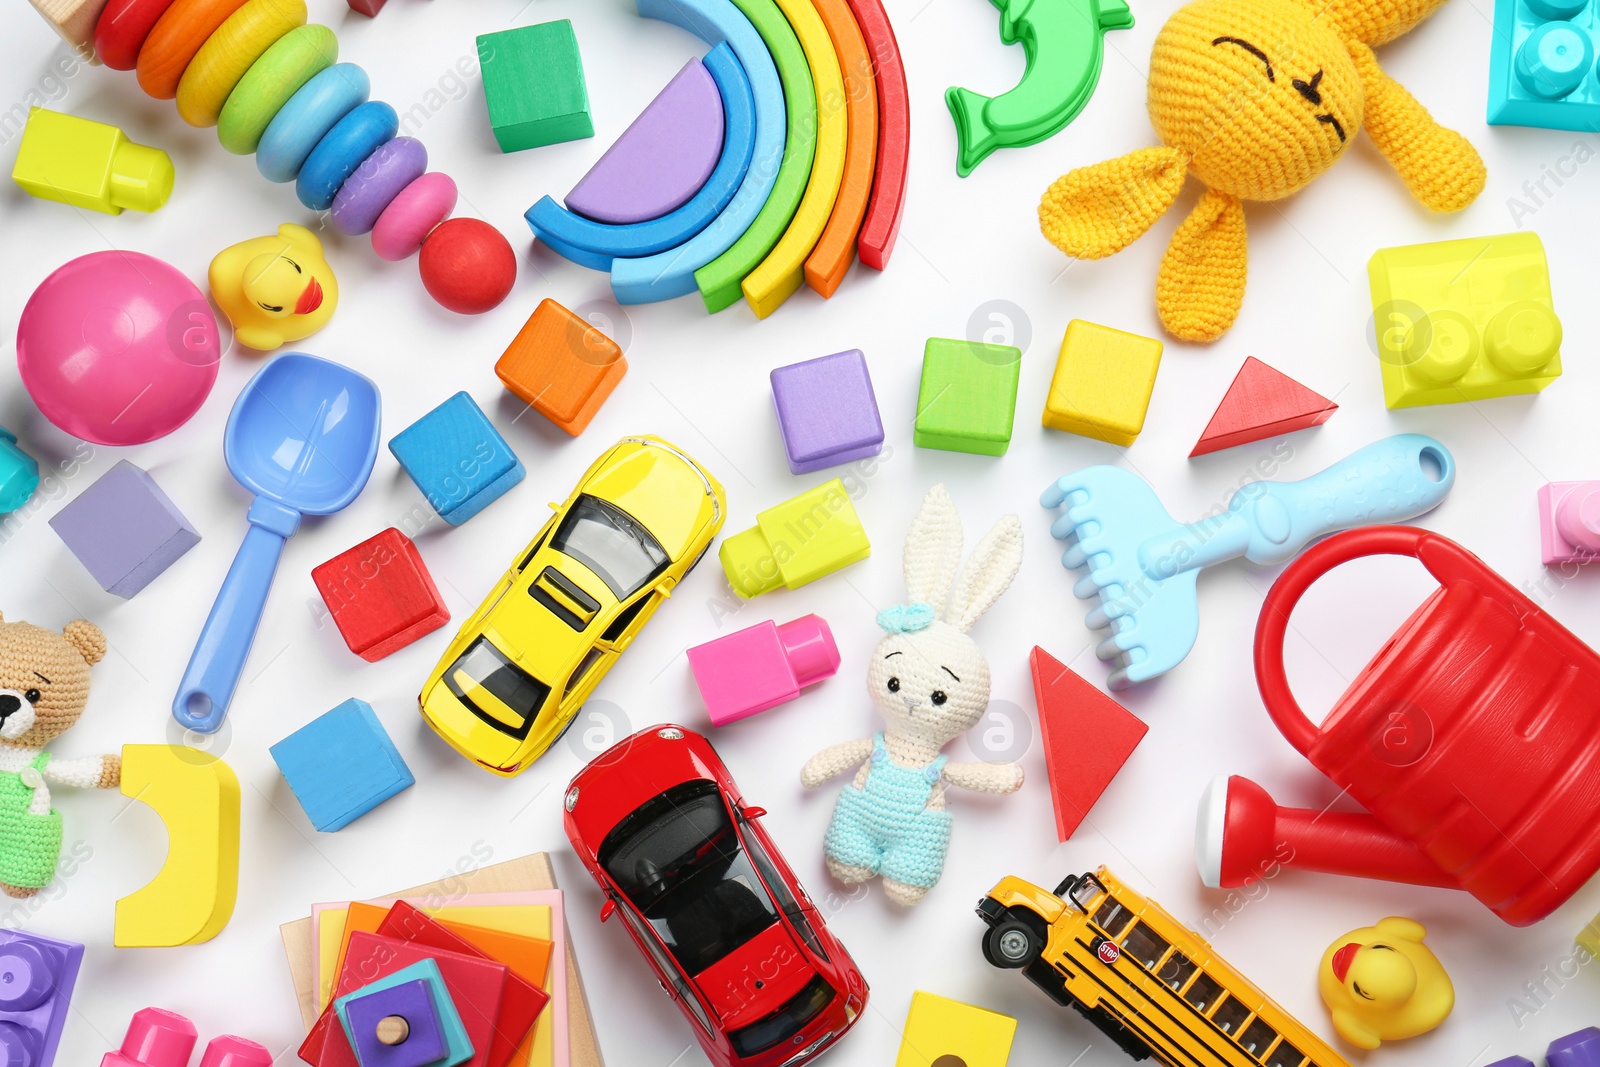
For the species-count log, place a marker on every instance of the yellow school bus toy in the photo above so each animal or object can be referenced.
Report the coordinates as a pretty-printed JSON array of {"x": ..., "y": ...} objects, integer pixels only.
[{"x": 1150, "y": 984}]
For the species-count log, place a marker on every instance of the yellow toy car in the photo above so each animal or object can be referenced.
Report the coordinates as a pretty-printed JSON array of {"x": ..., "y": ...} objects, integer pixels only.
[{"x": 520, "y": 668}]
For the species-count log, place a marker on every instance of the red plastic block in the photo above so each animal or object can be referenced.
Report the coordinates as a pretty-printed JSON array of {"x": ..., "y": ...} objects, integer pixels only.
[
  {"x": 369, "y": 8},
  {"x": 1087, "y": 738},
  {"x": 380, "y": 595},
  {"x": 471, "y": 981},
  {"x": 523, "y": 1001},
  {"x": 1262, "y": 403}
]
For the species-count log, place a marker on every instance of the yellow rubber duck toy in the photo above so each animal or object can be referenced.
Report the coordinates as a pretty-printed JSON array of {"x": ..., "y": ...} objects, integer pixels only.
[
  {"x": 1382, "y": 983},
  {"x": 1256, "y": 98},
  {"x": 275, "y": 289}
]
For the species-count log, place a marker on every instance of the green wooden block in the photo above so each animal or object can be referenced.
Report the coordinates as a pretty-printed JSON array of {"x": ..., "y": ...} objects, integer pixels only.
[
  {"x": 533, "y": 80},
  {"x": 968, "y": 396}
]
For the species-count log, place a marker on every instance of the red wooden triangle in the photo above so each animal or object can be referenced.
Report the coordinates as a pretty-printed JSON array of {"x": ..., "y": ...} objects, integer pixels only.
[
  {"x": 1262, "y": 402},
  {"x": 1087, "y": 738}
]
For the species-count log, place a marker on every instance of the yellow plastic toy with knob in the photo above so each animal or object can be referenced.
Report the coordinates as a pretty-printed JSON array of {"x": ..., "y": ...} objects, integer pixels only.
[
  {"x": 1256, "y": 98},
  {"x": 1382, "y": 983},
  {"x": 275, "y": 289}
]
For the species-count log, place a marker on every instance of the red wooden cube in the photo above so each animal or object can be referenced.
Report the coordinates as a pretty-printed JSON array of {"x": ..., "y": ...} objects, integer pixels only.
[{"x": 380, "y": 595}]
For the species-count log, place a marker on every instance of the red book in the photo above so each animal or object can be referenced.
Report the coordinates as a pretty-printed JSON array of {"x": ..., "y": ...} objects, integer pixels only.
[
  {"x": 471, "y": 980},
  {"x": 518, "y": 1008}
]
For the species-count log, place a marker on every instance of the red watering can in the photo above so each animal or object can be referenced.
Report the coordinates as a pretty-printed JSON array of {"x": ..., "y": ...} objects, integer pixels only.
[{"x": 1472, "y": 738}]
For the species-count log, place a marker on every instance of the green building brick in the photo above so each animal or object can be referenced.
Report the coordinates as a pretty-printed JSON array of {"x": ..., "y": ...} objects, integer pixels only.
[
  {"x": 533, "y": 80},
  {"x": 968, "y": 396}
]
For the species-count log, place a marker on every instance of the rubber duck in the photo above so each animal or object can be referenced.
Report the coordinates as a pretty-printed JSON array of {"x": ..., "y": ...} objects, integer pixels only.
[
  {"x": 275, "y": 289},
  {"x": 1382, "y": 983}
]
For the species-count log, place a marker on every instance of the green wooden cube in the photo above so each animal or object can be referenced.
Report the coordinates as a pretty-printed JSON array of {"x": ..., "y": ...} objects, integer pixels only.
[
  {"x": 533, "y": 80},
  {"x": 968, "y": 396}
]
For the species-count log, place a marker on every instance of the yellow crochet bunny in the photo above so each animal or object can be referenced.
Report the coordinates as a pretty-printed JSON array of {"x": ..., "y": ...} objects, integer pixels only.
[{"x": 1257, "y": 98}]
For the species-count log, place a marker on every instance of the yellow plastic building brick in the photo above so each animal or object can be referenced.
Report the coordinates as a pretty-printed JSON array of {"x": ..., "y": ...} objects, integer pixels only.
[
  {"x": 1102, "y": 383},
  {"x": 1464, "y": 320},
  {"x": 90, "y": 165},
  {"x": 1589, "y": 937},
  {"x": 805, "y": 538},
  {"x": 943, "y": 1031},
  {"x": 197, "y": 797}
]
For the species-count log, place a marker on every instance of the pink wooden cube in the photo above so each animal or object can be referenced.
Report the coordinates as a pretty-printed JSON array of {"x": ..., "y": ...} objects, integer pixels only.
[
  {"x": 1569, "y": 522},
  {"x": 762, "y": 666}
]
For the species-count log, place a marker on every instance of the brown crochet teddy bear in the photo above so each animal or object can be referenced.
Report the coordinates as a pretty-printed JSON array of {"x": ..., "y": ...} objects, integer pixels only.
[{"x": 44, "y": 684}]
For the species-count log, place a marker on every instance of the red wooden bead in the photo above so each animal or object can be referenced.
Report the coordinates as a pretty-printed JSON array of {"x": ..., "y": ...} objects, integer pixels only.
[
  {"x": 467, "y": 266},
  {"x": 369, "y": 8},
  {"x": 380, "y": 595},
  {"x": 123, "y": 26}
]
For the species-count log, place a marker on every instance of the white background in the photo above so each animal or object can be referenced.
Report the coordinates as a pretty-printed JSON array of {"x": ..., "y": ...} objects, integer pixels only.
[{"x": 701, "y": 382}]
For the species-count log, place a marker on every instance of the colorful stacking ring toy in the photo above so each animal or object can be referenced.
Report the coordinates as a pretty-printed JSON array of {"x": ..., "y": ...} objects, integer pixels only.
[
  {"x": 828, "y": 134},
  {"x": 271, "y": 84}
]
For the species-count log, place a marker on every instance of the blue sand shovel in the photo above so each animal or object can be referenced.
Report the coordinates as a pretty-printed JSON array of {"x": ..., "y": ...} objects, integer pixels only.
[
  {"x": 1142, "y": 563},
  {"x": 302, "y": 436}
]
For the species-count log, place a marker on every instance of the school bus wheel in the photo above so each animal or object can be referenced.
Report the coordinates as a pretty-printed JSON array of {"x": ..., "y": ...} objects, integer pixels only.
[{"x": 1012, "y": 944}]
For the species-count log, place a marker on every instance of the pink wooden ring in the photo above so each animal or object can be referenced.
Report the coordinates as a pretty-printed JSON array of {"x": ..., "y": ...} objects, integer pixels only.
[{"x": 412, "y": 215}]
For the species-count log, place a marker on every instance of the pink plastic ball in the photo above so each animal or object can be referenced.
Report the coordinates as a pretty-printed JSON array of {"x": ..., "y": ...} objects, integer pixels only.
[
  {"x": 467, "y": 266},
  {"x": 118, "y": 348}
]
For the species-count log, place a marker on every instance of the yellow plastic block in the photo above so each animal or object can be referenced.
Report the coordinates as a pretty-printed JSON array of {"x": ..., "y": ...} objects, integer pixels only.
[
  {"x": 1589, "y": 937},
  {"x": 197, "y": 797},
  {"x": 90, "y": 165},
  {"x": 944, "y": 1031},
  {"x": 1464, "y": 320},
  {"x": 804, "y": 538},
  {"x": 1102, "y": 383}
]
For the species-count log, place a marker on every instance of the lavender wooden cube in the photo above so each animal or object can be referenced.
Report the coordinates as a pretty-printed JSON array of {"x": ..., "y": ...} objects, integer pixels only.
[
  {"x": 124, "y": 530},
  {"x": 827, "y": 411}
]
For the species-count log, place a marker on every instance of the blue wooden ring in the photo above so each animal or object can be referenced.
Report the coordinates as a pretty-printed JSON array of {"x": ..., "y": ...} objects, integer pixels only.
[
  {"x": 343, "y": 149},
  {"x": 595, "y": 244},
  {"x": 310, "y": 113},
  {"x": 671, "y": 272}
]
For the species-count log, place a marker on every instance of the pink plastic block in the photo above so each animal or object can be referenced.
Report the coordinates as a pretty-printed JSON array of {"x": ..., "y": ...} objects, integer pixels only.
[
  {"x": 1569, "y": 522},
  {"x": 156, "y": 1038},
  {"x": 232, "y": 1051},
  {"x": 762, "y": 666}
]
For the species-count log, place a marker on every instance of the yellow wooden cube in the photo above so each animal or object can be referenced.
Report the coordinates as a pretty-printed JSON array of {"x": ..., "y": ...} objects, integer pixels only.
[
  {"x": 940, "y": 1029},
  {"x": 1102, "y": 383}
]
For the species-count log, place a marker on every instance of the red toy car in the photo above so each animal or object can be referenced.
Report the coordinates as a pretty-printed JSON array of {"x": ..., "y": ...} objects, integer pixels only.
[{"x": 730, "y": 933}]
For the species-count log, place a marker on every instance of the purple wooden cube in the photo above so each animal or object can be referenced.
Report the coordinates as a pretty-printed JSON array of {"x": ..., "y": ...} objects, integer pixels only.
[
  {"x": 827, "y": 411},
  {"x": 423, "y": 1042},
  {"x": 124, "y": 530},
  {"x": 1579, "y": 1049}
]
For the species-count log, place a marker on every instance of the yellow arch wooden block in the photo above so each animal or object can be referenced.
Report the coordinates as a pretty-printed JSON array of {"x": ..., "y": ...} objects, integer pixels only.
[
  {"x": 944, "y": 1032},
  {"x": 777, "y": 277},
  {"x": 197, "y": 797}
]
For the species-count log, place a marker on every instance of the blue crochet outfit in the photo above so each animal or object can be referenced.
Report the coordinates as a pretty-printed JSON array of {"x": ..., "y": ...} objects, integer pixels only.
[{"x": 886, "y": 826}]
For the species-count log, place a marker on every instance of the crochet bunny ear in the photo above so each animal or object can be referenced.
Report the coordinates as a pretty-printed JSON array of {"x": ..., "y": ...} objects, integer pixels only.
[
  {"x": 1201, "y": 283},
  {"x": 933, "y": 549},
  {"x": 1091, "y": 212},
  {"x": 994, "y": 563},
  {"x": 1439, "y": 166}
]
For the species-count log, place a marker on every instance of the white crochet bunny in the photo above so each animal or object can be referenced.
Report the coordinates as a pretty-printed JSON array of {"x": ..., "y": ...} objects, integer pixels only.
[{"x": 931, "y": 684}]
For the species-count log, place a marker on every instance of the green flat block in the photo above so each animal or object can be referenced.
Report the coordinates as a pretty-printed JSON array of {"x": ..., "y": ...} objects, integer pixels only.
[
  {"x": 533, "y": 80},
  {"x": 968, "y": 396}
]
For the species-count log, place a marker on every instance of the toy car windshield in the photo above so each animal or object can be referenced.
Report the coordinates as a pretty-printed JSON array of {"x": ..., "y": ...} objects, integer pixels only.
[
  {"x": 678, "y": 859},
  {"x": 498, "y": 691},
  {"x": 608, "y": 541}
]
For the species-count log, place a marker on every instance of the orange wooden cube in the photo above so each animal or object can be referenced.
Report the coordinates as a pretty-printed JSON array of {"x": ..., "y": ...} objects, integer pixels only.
[{"x": 561, "y": 366}]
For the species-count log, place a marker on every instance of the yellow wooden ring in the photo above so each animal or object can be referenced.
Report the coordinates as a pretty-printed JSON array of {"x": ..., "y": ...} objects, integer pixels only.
[
  {"x": 231, "y": 51},
  {"x": 780, "y": 274}
]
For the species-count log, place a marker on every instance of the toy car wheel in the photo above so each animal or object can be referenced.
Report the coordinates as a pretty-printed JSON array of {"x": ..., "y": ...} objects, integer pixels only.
[{"x": 1012, "y": 944}]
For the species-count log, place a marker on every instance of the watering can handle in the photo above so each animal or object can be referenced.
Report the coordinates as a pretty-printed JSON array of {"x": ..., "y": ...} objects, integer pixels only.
[
  {"x": 1444, "y": 559},
  {"x": 218, "y": 659}
]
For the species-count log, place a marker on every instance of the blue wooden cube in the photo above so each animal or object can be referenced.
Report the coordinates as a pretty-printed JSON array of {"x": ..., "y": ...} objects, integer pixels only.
[
  {"x": 457, "y": 458},
  {"x": 341, "y": 765}
]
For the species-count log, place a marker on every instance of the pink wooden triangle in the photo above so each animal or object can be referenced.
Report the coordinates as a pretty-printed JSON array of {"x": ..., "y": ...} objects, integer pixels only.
[{"x": 1262, "y": 402}]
